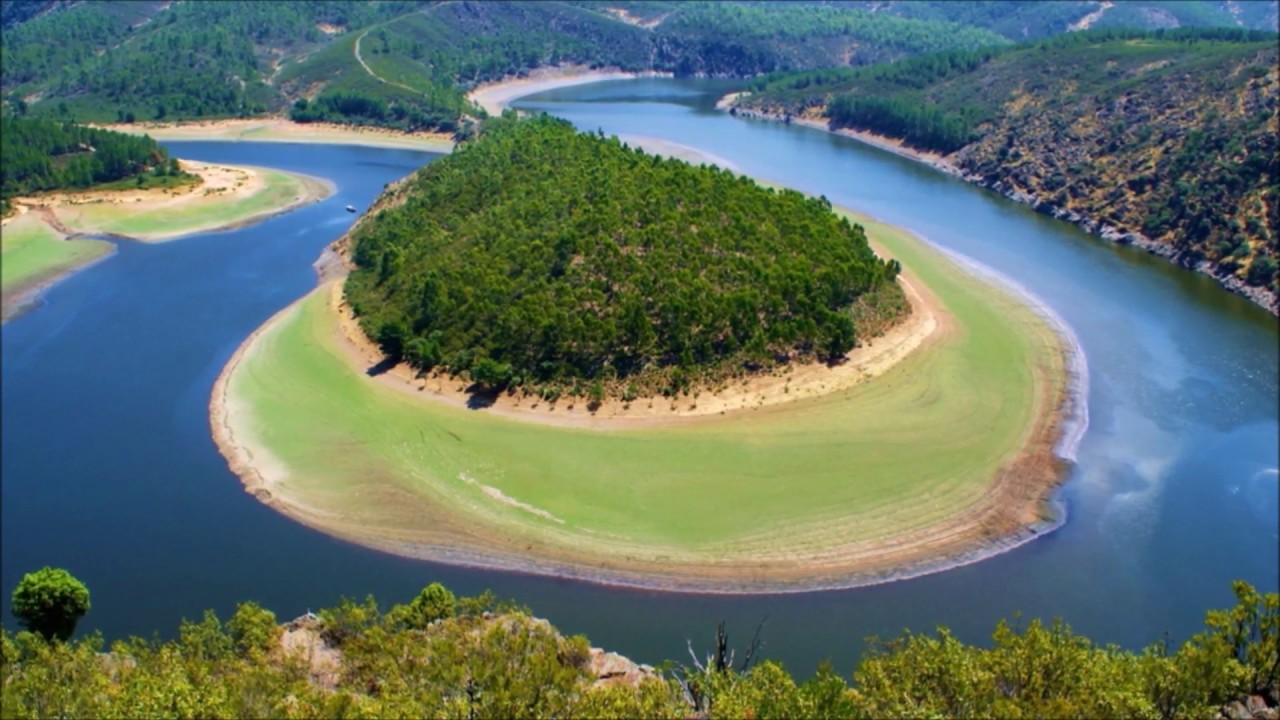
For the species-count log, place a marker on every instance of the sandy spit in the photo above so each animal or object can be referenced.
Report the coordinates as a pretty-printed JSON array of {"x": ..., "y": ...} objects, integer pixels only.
[
  {"x": 280, "y": 129},
  {"x": 495, "y": 97},
  {"x": 218, "y": 183}
]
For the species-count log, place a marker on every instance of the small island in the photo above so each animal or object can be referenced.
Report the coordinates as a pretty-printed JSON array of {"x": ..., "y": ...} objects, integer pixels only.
[
  {"x": 554, "y": 353},
  {"x": 66, "y": 187}
]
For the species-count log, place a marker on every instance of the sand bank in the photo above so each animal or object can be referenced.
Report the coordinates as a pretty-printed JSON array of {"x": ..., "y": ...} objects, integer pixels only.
[
  {"x": 927, "y": 322},
  {"x": 666, "y": 148},
  {"x": 285, "y": 130},
  {"x": 224, "y": 197},
  {"x": 495, "y": 97}
]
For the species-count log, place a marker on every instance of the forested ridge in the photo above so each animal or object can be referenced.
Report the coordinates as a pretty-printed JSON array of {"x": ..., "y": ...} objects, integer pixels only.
[
  {"x": 1171, "y": 136},
  {"x": 542, "y": 258},
  {"x": 404, "y": 63},
  {"x": 41, "y": 155},
  {"x": 443, "y": 656}
]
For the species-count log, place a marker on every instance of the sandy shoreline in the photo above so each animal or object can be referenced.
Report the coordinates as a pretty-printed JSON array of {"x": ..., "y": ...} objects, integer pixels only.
[
  {"x": 62, "y": 213},
  {"x": 928, "y": 322},
  {"x": 66, "y": 212},
  {"x": 496, "y": 97},
  {"x": 279, "y": 129}
]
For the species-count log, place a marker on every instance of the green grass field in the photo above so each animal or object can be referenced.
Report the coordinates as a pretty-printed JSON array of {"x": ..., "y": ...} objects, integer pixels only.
[
  {"x": 898, "y": 453},
  {"x": 32, "y": 252},
  {"x": 164, "y": 223}
]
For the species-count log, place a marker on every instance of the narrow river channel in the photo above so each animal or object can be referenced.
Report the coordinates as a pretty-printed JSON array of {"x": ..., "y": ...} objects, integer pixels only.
[{"x": 109, "y": 470}]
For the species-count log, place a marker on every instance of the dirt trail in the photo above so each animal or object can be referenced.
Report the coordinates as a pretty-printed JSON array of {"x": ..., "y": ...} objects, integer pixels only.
[{"x": 1087, "y": 21}]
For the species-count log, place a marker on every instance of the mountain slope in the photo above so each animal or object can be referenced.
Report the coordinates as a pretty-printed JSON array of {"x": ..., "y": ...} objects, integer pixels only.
[
  {"x": 403, "y": 63},
  {"x": 1037, "y": 19},
  {"x": 1164, "y": 139}
]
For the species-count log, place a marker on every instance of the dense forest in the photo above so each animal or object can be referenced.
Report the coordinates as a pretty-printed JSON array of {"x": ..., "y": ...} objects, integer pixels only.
[
  {"x": 404, "y": 63},
  {"x": 539, "y": 257},
  {"x": 1171, "y": 135},
  {"x": 42, "y": 155},
  {"x": 443, "y": 656}
]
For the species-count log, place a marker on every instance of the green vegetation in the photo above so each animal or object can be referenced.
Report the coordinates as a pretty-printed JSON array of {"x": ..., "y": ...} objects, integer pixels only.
[
  {"x": 31, "y": 252},
  {"x": 41, "y": 155},
  {"x": 204, "y": 212},
  {"x": 1034, "y": 19},
  {"x": 1170, "y": 134},
  {"x": 356, "y": 661},
  {"x": 860, "y": 465},
  {"x": 539, "y": 257},
  {"x": 403, "y": 64},
  {"x": 50, "y": 602}
]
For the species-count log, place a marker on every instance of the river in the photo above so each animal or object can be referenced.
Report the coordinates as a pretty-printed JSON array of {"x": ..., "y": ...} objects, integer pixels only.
[{"x": 109, "y": 470}]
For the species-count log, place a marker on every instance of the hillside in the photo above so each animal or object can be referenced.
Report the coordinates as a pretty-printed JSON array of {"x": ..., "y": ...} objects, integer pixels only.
[
  {"x": 404, "y": 63},
  {"x": 441, "y": 656},
  {"x": 537, "y": 257},
  {"x": 1166, "y": 140},
  {"x": 1031, "y": 20}
]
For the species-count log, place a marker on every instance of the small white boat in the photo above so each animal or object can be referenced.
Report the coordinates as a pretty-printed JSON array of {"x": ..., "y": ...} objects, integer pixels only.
[{"x": 351, "y": 208}]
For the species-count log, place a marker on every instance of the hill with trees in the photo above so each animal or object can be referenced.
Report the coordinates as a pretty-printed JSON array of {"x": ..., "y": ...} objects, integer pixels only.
[
  {"x": 402, "y": 63},
  {"x": 441, "y": 656},
  {"x": 538, "y": 257},
  {"x": 43, "y": 155},
  {"x": 1165, "y": 139}
]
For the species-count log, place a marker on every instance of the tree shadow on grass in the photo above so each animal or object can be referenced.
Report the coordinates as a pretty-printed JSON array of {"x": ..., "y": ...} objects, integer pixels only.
[
  {"x": 480, "y": 397},
  {"x": 383, "y": 366}
]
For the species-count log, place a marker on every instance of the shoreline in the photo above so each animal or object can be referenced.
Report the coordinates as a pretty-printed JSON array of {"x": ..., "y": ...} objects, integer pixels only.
[
  {"x": 497, "y": 96},
  {"x": 922, "y": 326},
  {"x": 216, "y": 178},
  {"x": 1031, "y": 476},
  {"x": 42, "y": 209},
  {"x": 1260, "y": 296},
  {"x": 27, "y": 296},
  {"x": 283, "y": 130}
]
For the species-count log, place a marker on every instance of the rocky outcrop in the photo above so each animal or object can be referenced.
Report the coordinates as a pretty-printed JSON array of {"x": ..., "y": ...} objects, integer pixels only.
[
  {"x": 303, "y": 638},
  {"x": 1265, "y": 706},
  {"x": 614, "y": 669}
]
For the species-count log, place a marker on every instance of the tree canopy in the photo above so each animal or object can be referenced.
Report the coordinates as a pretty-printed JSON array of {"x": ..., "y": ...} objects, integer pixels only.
[
  {"x": 49, "y": 602},
  {"x": 42, "y": 155},
  {"x": 539, "y": 255}
]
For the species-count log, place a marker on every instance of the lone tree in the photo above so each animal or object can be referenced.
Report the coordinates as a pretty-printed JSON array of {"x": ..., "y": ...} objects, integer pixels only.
[
  {"x": 50, "y": 601},
  {"x": 435, "y": 602}
]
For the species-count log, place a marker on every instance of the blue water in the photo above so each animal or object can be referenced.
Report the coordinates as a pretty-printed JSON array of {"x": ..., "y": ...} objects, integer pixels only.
[{"x": 108, "y": 467}]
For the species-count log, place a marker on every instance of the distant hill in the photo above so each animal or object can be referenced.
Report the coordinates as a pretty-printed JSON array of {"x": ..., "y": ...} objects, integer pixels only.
[
  {"x": 404, "y": 63},
  {"x": 1036, "y": 19},
  {"x": 1167, "y": 139}
]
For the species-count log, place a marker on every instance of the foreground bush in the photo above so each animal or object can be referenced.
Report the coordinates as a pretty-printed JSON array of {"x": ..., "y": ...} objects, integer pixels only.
[{"x": 480, "y": 660}]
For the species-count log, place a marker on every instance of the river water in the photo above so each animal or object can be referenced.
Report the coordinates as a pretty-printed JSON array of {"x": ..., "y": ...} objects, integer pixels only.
[{"x": 109, "y": 470}]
